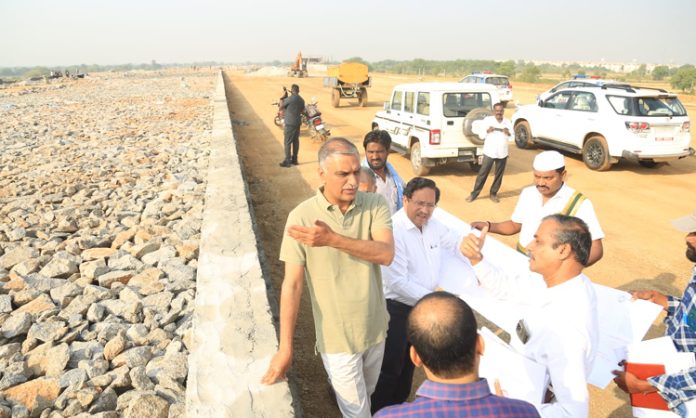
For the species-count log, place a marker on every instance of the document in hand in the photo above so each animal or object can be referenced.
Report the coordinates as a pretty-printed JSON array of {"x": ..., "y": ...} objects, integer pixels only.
[
  {"x": 519, "y": 377},
  {"x": 623, "y": 321},
  {"x": 654, "y": 357},
  {"x": 651, "y": 400}
]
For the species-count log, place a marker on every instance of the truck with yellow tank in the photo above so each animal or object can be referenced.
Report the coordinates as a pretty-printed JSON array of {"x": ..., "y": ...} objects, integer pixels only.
[{"x": 348, "y": 80}]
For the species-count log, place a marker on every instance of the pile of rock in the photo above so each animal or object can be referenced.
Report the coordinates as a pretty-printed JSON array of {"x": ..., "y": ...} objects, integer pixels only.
[{"x": 101, "y": 197}]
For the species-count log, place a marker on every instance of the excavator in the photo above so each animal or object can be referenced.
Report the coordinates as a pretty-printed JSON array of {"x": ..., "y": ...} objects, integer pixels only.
[{"x": 299, "y": 67}]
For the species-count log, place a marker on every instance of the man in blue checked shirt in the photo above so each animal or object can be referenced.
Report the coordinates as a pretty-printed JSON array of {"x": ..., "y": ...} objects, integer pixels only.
[
  {"x": 675, "y": 388},
  {"x": 442, "y": 331}
]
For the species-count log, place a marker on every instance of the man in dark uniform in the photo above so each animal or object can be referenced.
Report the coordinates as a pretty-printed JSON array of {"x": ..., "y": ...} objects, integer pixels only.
[{"x": 293, "y": 106}]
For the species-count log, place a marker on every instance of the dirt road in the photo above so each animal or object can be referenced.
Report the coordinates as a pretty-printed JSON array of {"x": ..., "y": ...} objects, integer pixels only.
[{"x": 634, "y": 204}]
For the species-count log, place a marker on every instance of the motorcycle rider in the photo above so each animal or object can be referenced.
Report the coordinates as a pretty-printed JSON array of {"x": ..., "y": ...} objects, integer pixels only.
[{"x": 293, "y": 108}]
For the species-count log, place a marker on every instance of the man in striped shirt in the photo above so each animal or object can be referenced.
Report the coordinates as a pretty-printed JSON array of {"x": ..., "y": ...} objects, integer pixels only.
[{"x": 675, "y": 388}]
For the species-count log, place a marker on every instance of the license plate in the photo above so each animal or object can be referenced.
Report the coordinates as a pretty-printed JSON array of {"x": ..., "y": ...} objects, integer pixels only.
[
  {"x": 664, "y": 139},
  {"x": 318, "y": 127}
]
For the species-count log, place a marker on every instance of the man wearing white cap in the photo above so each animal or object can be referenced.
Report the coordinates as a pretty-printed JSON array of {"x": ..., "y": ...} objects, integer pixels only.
[
  {"x": 675, "y": 388},
  {"x": 549, "y": 195}
]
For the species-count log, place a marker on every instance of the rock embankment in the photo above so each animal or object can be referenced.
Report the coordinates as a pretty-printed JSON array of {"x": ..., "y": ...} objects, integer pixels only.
[{"x": 102, "y": 182}]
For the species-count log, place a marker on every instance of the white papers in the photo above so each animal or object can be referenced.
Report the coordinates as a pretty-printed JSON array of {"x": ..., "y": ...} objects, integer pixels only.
[
  {"x": 519, "y": 377},
  {"x": 660, "y": 351},
  {"x": 457, "y": 277},
  {"x": 622, "y": 321}
]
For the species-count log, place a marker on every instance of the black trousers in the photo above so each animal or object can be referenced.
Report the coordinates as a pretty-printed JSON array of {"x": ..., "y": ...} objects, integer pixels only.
[
  {"x": 396, "y": 375},
  {"x": 486, "y": 166},
  {"x": 292, "y": 139}
]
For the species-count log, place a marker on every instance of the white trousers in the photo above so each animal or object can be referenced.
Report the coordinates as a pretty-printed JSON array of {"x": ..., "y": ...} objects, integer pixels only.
[{"x": 353, "y": 378}]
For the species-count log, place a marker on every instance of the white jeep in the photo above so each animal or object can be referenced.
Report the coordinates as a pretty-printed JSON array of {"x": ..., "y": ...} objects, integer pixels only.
[{"x": 432, "y": 122}]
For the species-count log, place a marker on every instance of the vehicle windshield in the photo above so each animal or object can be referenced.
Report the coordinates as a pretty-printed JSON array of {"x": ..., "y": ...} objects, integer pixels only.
[
  {"x": 460, "y": 104},
  {"x": 647, "y": 106},
  {"x": 498, "y": 81}
]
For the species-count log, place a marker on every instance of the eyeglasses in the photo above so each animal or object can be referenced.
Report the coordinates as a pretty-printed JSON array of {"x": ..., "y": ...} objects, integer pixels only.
[{"x": 421, "y": 204}]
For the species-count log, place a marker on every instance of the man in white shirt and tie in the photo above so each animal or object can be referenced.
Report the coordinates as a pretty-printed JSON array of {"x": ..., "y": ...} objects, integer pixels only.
[
  {"x": 420, "y": 243},
  {"x": 496, "y": 132}
]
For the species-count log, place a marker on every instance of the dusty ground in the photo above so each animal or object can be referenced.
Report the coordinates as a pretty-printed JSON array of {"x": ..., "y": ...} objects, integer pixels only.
[{"x": 634, "y": 205}]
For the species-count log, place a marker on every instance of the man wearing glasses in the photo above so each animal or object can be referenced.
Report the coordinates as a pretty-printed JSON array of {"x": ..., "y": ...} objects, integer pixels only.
[{"x": 419, "y": 243}]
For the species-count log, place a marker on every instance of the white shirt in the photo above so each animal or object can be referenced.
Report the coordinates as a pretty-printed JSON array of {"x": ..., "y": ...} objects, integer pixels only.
[
  {"x": 563, "y": 332},
  {"x": 387, "y": 188},
  {"x": 530, "y": 210},
  {"x": 495, "y": 144},
  {"x": 415, "y": 270}
]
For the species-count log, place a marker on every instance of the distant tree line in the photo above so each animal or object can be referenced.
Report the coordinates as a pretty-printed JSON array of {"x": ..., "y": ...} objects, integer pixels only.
[{"x": 682, "y": 78}]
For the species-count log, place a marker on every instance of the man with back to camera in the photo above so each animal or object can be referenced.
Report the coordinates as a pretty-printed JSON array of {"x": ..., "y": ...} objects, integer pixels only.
[
  {"x": 550, "y": 194},
  {"x": 389, "y": 184},
  {"x": 293, "y": 106},
  {"x": 420, "y": 242},
  {"x": 560, "y": 328},
  {"x": 367, "y": 180},
  {"x": 675, "y": 388},
  {"x": 443, "y": 332},
  {"x": 337, "y": 240},
  {"x": 498, "y": 132}
]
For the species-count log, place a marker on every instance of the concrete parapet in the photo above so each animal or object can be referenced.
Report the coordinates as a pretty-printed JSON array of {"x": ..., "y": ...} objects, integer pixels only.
[{"x": 234, "y": 337}]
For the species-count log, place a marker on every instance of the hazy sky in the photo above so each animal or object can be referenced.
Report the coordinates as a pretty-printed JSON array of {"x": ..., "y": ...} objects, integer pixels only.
[{"x": 65, "y": 32}]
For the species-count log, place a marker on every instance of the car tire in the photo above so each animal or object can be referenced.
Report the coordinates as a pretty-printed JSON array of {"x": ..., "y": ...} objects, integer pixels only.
[
  {"x": 362, "y": 98},
  {"x": 416, "y": 161},
  {"x": 335, "y": 97},
  {"x": 523, "y": 135},
  {"x": 595, "y": 153},
  {"x": 474, "y": 115},
  {"x": 474, "y": 166}
]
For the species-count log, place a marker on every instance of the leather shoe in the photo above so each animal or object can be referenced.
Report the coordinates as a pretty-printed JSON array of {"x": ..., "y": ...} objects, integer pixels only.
[
  {"x": 471, "y": 198},
  {"x": 294, "y": 162},
  {"x": 285, "y": 164},
  {"x": 495, "y": 198}
]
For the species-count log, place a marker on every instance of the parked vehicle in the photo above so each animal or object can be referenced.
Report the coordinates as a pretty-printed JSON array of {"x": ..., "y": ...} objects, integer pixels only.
[
  {"x": 311, "y": 118},
  {"x": 501, "y": 82},
  {"x": 606, "y": 123},
  {"x": 432, "y": 122},
  {"x": 314, "y": 123},
  {"x": 580, "y": 82},
  {"x": 348, "y": 80}
]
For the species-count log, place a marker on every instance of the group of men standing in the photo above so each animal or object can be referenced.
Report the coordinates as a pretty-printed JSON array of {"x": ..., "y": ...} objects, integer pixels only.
[{"x": 372, "y": 262}]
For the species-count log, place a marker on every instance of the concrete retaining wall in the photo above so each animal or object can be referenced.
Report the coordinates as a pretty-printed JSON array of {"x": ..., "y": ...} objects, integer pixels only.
[{"x": 234, "y": 336}]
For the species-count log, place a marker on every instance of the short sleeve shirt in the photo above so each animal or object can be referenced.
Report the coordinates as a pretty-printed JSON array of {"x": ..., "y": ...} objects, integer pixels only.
[
  {"x": 387, "y": 188},
  {"x": 531, "y": 209},
  {"x": 495, "y": 144},
  {"x": 348, "y": 303}
]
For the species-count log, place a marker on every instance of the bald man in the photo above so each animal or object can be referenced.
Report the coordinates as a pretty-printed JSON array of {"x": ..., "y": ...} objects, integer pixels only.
[{"x": 442, "y": 331}]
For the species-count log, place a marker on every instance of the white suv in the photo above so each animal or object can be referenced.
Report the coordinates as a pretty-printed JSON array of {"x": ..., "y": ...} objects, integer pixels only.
[
  {"x": 580, "y": 82},
  {"x": 605, "y": 123},
  {"x": 432, "y": 122},
  {"x": 501, "y": 82}
]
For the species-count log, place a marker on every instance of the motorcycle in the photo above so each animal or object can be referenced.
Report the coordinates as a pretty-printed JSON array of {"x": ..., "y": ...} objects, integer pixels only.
[
  {"x": 314, "y": 123},
  {"x": 279, "y": 118},
  {"x": 311, "y": 118}
]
